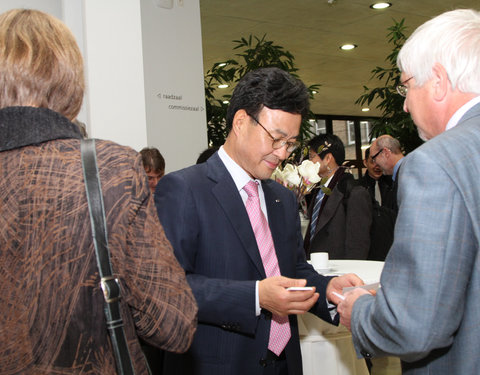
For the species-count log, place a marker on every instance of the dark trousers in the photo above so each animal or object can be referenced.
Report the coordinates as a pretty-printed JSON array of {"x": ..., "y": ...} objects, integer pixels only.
[{"x": 154, "y": 358}]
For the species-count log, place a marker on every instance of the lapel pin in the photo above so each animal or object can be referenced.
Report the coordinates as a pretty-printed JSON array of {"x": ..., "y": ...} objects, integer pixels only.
[{"x": 277, "y": 200}]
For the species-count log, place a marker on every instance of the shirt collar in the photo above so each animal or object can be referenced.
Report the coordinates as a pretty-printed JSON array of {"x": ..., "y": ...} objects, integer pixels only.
[
  {"x": 460, "y": 112},
  {"x": 240, "y": 177}
]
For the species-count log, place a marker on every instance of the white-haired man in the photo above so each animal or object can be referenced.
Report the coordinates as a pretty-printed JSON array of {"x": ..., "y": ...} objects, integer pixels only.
[{"x": 427, "y": 309}]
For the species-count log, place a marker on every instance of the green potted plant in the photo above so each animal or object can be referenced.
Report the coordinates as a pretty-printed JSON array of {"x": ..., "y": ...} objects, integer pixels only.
[
  {"x": 253, "y": 53},
  {"x": 394, "y": 121}
]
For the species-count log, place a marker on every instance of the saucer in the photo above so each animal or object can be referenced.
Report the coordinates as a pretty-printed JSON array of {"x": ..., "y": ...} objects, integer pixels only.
[{"x": 324, "y": 270}]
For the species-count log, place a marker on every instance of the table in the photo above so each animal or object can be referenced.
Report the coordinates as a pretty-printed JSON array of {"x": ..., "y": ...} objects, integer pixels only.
[{"x": 328, "y": 349}]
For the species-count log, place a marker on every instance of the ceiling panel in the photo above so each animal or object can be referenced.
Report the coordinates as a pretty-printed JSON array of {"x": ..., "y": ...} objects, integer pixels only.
[{"x": 312, "y": 31}]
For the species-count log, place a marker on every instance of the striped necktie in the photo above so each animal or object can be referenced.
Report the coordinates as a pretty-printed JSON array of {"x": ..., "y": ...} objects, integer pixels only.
[
  {"x": 280, "y": 326},
  {"x": 315, "y": 212}
]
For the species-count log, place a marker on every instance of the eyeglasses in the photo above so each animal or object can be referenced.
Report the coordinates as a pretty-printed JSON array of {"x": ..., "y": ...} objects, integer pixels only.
[
  {"x": 402, "y": 89},
  {"x": 378, "y": 153},
  {"x": 278, "y": 142}
]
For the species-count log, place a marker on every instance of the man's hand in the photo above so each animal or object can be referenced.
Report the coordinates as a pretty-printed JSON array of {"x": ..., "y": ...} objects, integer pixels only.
[
  {"x": 345, "y": 307},
  {"x": 275, "y": 297},
  {"x": 338, "y": 283}
]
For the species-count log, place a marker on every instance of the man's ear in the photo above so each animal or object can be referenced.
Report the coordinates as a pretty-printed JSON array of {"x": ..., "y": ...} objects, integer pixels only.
[
  {"x": 239, "y": 120},
  {"x": 365, "y": 163},
  {"x": 328, "y": 158},
  {"x": 440, "y": 82}
]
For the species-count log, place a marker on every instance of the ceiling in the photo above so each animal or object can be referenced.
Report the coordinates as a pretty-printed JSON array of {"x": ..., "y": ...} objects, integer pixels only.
[{"x": 313, "y": 30}]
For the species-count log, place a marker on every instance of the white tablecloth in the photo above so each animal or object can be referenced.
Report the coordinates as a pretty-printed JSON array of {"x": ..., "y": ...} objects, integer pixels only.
[{"x": 327, "y": 349}]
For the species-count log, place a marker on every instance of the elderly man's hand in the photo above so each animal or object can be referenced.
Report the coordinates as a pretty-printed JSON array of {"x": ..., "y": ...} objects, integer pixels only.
[
  {"x": 345, "y": 307},
  {"x": 338, "y": 283}
]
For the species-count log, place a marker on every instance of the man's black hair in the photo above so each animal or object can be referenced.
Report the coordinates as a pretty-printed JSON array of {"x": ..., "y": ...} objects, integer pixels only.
[
  {"x": 268, "y": 87},
  {"x": 332, "y": 145}
]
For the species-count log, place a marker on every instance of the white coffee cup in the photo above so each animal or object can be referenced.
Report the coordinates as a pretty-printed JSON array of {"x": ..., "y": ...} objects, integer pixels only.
[{"x": 319, "y": 261}]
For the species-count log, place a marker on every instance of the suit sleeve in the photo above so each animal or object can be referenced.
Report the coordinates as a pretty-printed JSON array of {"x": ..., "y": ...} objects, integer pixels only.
[
  {"x": 221, "y": 301},
  {"x": 426, "y": 273}
]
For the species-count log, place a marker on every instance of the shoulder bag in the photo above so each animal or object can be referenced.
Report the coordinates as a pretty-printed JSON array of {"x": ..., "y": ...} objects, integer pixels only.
[{"x": 109, "y": 283}]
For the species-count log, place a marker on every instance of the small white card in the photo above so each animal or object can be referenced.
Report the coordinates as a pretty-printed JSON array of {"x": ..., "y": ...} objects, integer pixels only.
[{"x": 374, "y": 286}]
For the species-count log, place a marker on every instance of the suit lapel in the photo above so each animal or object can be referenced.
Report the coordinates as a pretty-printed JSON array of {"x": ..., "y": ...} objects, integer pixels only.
[
  {"x": 228, "y": 197},
  {"x": 330, "y": 202},
  {"x": 329, "y": 209}
]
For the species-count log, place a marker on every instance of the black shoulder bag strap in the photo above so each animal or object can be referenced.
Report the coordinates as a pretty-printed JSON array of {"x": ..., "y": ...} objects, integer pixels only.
[{"x": 109, "y": 284}]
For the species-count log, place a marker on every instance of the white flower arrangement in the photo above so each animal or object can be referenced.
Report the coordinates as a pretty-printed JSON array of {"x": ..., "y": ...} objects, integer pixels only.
[{"x": 301, "y": 179}]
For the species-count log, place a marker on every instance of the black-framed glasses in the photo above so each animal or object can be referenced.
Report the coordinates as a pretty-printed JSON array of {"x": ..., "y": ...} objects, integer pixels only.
[
  {"x": 278, "y": 142},
  {"x": 378, "y": 153},
  {"x": 402, "y": 89}
]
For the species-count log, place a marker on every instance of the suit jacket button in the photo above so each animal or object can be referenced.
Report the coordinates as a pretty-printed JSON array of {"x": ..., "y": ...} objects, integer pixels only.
[
  {"x": 366, "y": 354},
  {"x": 263, "y": 362}
]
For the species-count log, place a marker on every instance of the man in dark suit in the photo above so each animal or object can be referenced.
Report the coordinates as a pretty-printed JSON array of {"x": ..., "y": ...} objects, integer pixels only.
[
  {"x": 339, "y": 222},
  {"x": 379, "y": 185},
  {"x": 380, "y": 188},
  {"x": 206, "y": 211},
  {"x": 426, "y": 311},
  {"x": 387, "y": 154}
]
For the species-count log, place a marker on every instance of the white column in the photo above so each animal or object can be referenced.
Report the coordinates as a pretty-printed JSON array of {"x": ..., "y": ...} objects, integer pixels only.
[
  {"x": 174, "y": 90},
  {"x": 114, "y": 71}
]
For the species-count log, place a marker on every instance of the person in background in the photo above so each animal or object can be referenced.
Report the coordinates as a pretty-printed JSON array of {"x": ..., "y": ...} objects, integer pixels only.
[
  {"x": 426, "y": 311},
  {"x": 340, "y": 221},
  {"x": 205, "y": 154},
  {"x": 52, "y": 317},
  {"x": 237, "y": 234},
  {"x": 381, "y": 193},
  {"x": 379, "y": 185},
  {"x": 386, "y": 152},
  {"x": 154, "y": 165}
]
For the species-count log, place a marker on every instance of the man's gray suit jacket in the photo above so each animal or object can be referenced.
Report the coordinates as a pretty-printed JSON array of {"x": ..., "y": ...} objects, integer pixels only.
[{"x": 428, "y": 309}]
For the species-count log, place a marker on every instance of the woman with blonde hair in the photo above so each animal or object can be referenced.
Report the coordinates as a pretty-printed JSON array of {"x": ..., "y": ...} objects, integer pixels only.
[{"x": 52, "y": 317}]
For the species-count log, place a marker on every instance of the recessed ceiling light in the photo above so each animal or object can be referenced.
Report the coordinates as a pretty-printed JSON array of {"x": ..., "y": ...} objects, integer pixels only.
[
  {"x": 348, "y": 46},
  {"x": 224, "y": 86},
  {"x": 381, "y": 5},
  {"x": 365, "y": 109}
]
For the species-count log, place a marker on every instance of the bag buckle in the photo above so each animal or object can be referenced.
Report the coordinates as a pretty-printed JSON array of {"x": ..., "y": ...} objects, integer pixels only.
[{"x": 111, "y": 288}]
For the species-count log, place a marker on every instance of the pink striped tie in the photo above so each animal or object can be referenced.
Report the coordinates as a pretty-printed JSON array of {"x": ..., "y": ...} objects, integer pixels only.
[{"x": 280, "y": 326}]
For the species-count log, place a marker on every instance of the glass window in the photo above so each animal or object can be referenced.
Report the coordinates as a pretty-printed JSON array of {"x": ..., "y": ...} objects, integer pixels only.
[
  {"x": 318, "y": 126},
  {"x": 364, "y": 132}
]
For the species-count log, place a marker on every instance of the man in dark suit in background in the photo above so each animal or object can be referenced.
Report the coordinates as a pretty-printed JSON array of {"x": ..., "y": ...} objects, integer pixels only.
[
  {"x": 223, "y": 231},
  {"x": 380, "y": 187},
  {"x": 386, "y": 152},
  {"x": 339, "y": 222}
]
